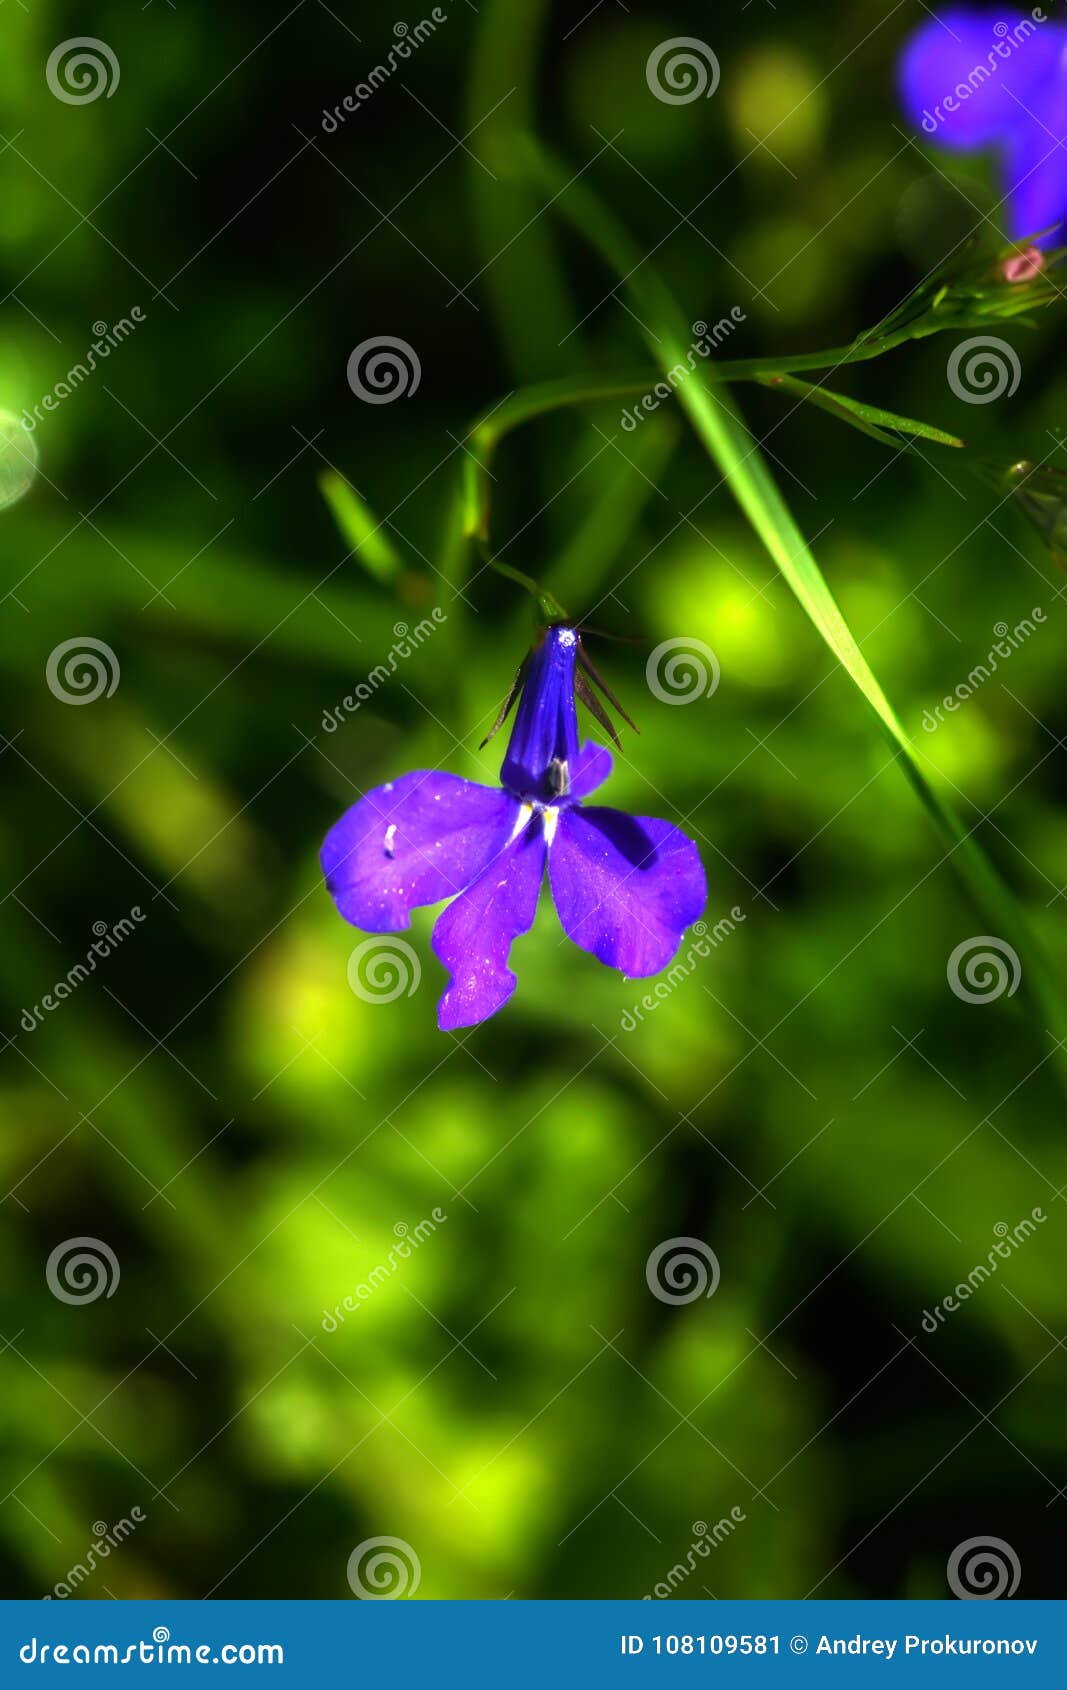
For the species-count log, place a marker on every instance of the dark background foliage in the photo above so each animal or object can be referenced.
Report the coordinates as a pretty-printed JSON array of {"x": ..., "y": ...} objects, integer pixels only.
[{"x": 246, "y": 1133}]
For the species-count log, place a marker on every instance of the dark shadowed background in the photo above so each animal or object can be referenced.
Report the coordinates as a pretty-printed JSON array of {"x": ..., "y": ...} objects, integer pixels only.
[{"x": 250, "y": 1137}]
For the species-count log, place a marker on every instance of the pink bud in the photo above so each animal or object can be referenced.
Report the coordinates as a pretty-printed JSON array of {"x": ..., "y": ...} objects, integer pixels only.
[{"x": 1023, "y": 266}]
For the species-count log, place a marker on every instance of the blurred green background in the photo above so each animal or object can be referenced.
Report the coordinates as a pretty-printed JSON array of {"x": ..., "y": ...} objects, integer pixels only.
[{"x": 247, "y": 1134}]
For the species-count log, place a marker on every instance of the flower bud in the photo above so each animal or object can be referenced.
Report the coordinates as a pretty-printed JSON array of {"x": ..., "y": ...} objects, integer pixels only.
[{"x": 1041, "y": 494}]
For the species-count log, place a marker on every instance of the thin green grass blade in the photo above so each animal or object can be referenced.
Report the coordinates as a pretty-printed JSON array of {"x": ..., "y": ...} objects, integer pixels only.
[{"x": 367, "y": 537}]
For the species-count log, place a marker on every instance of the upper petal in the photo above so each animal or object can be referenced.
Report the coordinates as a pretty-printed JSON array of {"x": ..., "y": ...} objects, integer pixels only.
[
  {"x": 473, "y": 936},
  {"x": 590, "y": 769},
  {"x": 414, "y": 841},
  {"x": 626, "y": 887},
  {"x": 966, "y": 77},
  {"x": 545, "y": 735}
]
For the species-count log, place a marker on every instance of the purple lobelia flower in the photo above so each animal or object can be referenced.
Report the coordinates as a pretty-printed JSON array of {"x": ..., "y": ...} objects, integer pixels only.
[
  {"x": 971, "y": 79},
  {"x": 626, "y": 887}
]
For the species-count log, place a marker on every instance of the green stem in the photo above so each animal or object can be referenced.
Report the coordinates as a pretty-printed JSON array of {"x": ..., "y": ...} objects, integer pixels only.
[
  {"x": 546, "y": 602},
  {"x": 486, "y": 433},
  {"x": 746, "y": 369}
]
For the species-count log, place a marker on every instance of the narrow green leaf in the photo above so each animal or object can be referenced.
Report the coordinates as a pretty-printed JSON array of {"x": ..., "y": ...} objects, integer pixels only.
[
  {"x": 368, "y": 538},
  {"x": 869, "y": 419}
]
